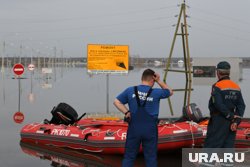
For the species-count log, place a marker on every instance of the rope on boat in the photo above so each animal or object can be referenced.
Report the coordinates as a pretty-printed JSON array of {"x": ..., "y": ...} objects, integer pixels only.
[
  {"x": 167, "y": 126},
  {"x": 247, "y": 131},
  {"x": 191, "y": 130},
  {"x": 177, "y": 127}
]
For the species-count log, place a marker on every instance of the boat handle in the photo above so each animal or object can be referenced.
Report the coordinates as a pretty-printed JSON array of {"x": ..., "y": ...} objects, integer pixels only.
[
  {"x": 86, "y": 136},
  {"x": 248, "y": 136},
  {"x": 45, "y": 130}
]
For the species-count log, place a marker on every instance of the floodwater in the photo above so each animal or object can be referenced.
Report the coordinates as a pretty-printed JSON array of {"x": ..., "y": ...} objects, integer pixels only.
[{"x": 86, "y": 94}]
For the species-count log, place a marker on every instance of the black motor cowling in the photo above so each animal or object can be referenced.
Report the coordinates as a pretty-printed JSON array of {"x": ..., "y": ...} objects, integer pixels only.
[
  {"x": 63, "y": 114},
  {"x": 192, "y": 112}
]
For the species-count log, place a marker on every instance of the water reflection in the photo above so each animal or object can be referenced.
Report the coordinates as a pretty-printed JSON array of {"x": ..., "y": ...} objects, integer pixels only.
[
  {"x": 62, "y": 157},
  {"x": 46, "y": 78},
  {"x": 31, "y": 95},
  {"x": 3, "y": 84}
]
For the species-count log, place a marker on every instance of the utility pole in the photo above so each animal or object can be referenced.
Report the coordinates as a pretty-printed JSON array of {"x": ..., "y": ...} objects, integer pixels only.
[
  {"x": 2, "y": 70},
  {"x": 54, "y": 63},
  {"x": 3, "y": 55},
  {"x": 62, "y": 63},
  {"x": 20, "y": 54},
  {"x": 181, "y": 24}
]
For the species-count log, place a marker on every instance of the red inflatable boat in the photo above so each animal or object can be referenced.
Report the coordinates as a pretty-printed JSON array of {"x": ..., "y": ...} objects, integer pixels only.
[
  {"x": 242, "y": 135},
  {"x": 108, "y": 136}
]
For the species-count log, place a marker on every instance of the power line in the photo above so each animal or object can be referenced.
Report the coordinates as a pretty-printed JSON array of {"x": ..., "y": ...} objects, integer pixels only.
[
  {"x": 101, "y": 34},
  {"x": 30, "y": 21},
  {"x": 221, "y": 16},
  {"x": 222, "y": 34},
  {"x": 94, "y": 26},
  {"x": 221, "y": 25}
]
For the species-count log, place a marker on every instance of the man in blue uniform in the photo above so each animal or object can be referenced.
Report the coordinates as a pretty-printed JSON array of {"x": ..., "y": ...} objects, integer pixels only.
[
  {"x": 226, "y": 107},
  {"x": 142, "y": 115}
]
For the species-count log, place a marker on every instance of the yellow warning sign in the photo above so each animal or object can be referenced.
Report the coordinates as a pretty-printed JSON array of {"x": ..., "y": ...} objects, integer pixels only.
[{"x": 107, "y": 58}]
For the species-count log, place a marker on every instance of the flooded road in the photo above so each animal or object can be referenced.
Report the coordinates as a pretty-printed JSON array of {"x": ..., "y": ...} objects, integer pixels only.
[{"x": 85, "y": 94}]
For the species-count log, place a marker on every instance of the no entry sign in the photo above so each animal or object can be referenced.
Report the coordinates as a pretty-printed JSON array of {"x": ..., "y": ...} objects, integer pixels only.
[
  {"x": 31, "y": 67},
  {"x": 18, "y": 117},
  {"x": 18, "y": 69}
]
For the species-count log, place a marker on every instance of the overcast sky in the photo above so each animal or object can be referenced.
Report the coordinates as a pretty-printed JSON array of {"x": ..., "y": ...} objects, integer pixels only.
[{"x": 219, "y": 28}]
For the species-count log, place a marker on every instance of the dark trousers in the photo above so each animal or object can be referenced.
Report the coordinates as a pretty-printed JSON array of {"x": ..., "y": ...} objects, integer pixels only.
[
  {"x": 142, "y": 130},
  {"x": 219, "y": 134}
]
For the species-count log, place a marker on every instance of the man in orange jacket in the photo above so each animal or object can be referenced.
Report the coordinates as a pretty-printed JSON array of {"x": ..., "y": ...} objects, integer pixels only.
[{"x": 226, "y": 107}]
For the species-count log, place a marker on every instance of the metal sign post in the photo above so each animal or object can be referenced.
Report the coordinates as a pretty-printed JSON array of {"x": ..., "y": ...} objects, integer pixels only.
[
  {"x": 31, "y": 68},
  {"x": 18, "y": 70},
  {"x": 107, "y": 59},
  {"x": 3, "y": 73},
  {"x": 107, "y": 97},
  {"x": 19, "y": 94}
]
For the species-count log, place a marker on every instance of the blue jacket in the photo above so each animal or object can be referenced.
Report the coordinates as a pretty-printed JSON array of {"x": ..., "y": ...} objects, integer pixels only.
[
  {"x": 153, "y": 101},
  {"x": 226, "y": 99}
]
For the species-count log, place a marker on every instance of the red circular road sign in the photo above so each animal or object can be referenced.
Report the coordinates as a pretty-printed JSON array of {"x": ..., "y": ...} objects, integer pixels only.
[
  {"x": 31, "y": 67},
  {"x": 18, "y": 117},
  {"x": 18, "y": 69}
]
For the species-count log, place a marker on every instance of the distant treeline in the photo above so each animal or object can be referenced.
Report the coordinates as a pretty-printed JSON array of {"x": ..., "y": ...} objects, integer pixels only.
[{"x": 246, "y": 62}]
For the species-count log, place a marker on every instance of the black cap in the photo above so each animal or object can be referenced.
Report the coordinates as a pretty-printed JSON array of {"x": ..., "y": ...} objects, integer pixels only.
[{"x": 223, "y": 65}]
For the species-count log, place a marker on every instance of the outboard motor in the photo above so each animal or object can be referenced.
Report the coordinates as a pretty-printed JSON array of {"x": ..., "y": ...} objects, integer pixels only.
[
  {"x": 192, "y": 112},
  {"x": 63, "y": 114}
]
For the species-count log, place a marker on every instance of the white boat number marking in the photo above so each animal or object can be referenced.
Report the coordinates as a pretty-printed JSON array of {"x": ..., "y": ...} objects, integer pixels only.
[
  {"x": 124, "y": 136},
  {"x": 60, "y": 132},
  {"x": 204, "y": 132}
]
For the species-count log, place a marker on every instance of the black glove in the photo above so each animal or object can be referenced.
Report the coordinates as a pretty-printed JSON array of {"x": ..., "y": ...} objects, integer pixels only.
[
  {"x": 127, "y": 118},
  {"x": 237, "y": 120}
]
